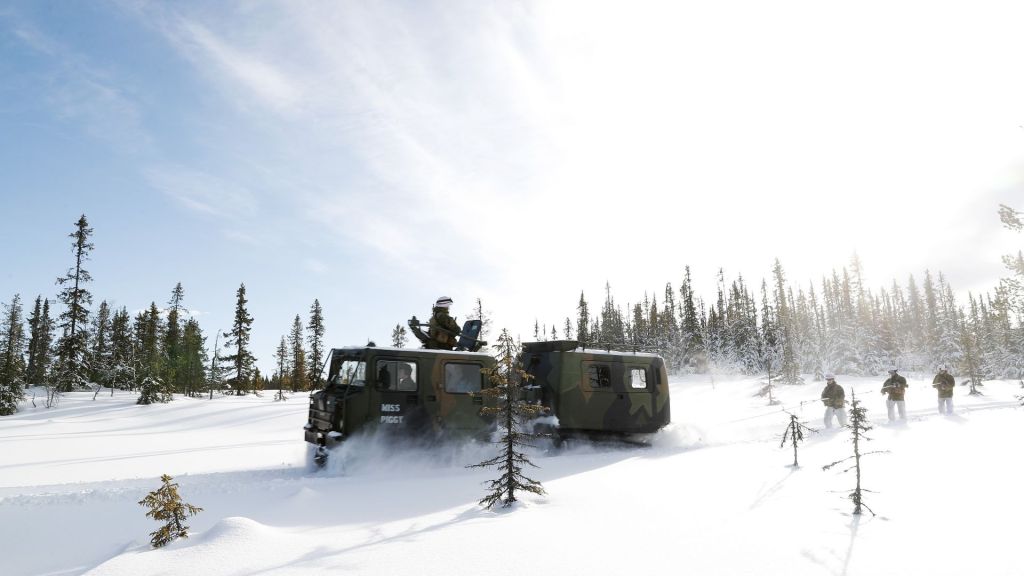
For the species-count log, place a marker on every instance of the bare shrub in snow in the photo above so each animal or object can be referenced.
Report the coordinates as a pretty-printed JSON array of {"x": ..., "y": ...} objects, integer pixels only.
[
  {"x": 858, "y": 426},
  {"x": 794, "y": 433}
]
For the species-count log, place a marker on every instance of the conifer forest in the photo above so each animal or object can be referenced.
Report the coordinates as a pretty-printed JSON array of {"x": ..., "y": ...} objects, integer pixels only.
[{"x": 64, "y": 342}]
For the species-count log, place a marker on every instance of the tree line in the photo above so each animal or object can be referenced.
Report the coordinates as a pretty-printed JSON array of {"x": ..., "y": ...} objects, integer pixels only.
[
  {"x": 836, "y": 325},
  {"x": 158, "y": 351}
]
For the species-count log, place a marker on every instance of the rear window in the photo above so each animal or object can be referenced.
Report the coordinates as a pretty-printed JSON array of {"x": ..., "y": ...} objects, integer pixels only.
[
  {"x": 462, "y": 378},
  {"x": 599, "y": 375},
  {"x": 637, "y": 378}
]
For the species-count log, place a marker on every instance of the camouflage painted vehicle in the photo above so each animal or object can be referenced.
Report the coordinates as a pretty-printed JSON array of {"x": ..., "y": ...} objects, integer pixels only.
[
  {"x": 599, "y": 391},
  {"x": 429, "y": 394},
  {"x": 413, "y": 393}
]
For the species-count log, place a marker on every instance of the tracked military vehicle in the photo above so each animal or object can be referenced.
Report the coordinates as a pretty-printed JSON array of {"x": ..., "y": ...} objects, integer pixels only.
[
  {"x": 599, "y": 391},
  {"x": 426, "y": 394}
]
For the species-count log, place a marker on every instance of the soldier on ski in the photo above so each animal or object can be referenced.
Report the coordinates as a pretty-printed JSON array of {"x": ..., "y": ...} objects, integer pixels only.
[
  {"x": 444, "y": 331},
  {"x": 834, "y": 399},
  {"x": 896, "y": 387},
  {"x": 944, "y": 383}
]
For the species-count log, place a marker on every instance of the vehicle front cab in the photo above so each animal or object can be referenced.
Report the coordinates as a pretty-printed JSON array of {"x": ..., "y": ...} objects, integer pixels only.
[{"x": 414, "y": 393}]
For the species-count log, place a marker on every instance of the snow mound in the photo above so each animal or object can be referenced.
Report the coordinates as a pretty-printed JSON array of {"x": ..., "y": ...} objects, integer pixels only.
[
  {"x": 232, "y": 531},
  {"x": 234, "y": 545}
]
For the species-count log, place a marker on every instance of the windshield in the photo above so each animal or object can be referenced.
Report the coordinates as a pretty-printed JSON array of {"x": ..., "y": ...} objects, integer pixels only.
[{"x": 347, "y": 372}]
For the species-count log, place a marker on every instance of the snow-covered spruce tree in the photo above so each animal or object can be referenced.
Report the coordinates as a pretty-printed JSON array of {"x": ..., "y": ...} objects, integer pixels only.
[
  {"x": 399, "y": 336},
  {"x": 172, "y": 342},
  {"x": 99, "y": 353},
  {"x": 72, "y": 348},
  {"x": 258, "y": 382},
  {"x": 858, "y": 426},
  {"x": 216, "y": 373},
  {"x": 611, "y": 327},
  {"x": 970, "y": 360},
  {"x": 1013, "y": 286},
  {"x": 582, "y": 320},
  {"x": 146, "y": 342},
  {"x": 40, "y": 335},
  {"x": 152, "y": 390},
  {"x": 789, "y": 371},
  {"x": 483, "y": 316},
  {"x": 316, "y": 343},
  {"x": 694, "y": 357},
  {"x": 165, "y": 506},
  {"x": 1011, "y": 290},
  {"x": 769, "y": 349},
  {"x": 283, "y": 369},
  {"x": 931, "y": 323},
  {"x": 300, "y": 374},
  {"x": 241, "y": 359},
  {"x": 506, "y": 380},
  {"x": 12, "y": 359},
  {"x": 192, "y": 366},
  {"x": 794, "y": 434},
  {"x": 122, "y": 352},
  {"x": 149, "y": 358}
]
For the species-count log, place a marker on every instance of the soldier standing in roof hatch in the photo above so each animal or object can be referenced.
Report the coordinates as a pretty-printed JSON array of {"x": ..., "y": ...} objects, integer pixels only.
[
  {"x": 944, "y": 383},
  {"x": 896, "y": 387},
  {"x": 834, "y": 399},
  {"x": 444, "y": 330}
]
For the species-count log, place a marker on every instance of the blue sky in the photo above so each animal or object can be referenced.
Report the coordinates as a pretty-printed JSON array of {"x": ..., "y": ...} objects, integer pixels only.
[{"x": 377, "y": 155}]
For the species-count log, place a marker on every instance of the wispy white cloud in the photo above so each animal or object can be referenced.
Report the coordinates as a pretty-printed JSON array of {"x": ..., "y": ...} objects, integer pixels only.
[
  {"x": 256, "y": 77},
  {"x": 81, "y": 90},
  {"x": 583, "y": 141},
  {"x": 368, "y": 82},
  {"x": 203, "y": 192}
]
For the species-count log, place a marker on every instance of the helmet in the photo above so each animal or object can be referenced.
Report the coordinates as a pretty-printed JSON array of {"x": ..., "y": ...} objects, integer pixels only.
[
  {"x": 942, "y": 367},
  {"x": 830, "y": 376},
  {"x": 443, "y": 302}
]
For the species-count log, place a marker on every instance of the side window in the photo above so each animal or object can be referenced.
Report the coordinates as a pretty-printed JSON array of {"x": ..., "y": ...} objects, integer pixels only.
[
  {"x": 637, "y": 378},
  {"x": 599, "y": 375},
  {"x": 396, "y": 375},
  {"x": 462, "y": 378}
]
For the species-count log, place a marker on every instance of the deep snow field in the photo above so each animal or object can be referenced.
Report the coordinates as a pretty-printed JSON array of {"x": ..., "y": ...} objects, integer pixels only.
[{"x": 714, "y": 494}]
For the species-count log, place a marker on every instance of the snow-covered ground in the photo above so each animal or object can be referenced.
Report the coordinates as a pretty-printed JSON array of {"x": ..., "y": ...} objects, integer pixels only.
[{"x": 715, "y": 494}]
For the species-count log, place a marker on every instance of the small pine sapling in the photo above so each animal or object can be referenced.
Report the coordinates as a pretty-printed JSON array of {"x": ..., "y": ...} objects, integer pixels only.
[
  {"x": 975, "y": 382},
  {"x": 769, "y": 390},
  {"x": 165, "y": 506},
  {"x": 506, "y": 381},
  {"x": 794, "y": 433},
  {"x": 153, "y": 391},
  {"x": 858, "y": 426}
]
